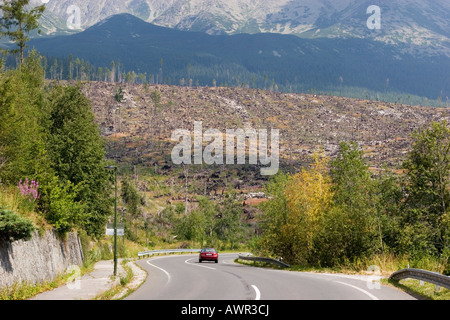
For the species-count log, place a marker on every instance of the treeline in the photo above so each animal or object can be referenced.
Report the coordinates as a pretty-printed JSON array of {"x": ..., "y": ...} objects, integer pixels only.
[
  {"x": 80, "y": 70},
  {"x": 77, "y": 69},
  {"x": 334, "y": 213},
  {"x": 49, "y": 143},
  {"x": 222, "y": 75}
]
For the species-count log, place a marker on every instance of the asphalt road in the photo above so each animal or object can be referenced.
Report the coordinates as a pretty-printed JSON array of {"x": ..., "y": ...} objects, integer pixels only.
[{"x": 182, "y": 277}]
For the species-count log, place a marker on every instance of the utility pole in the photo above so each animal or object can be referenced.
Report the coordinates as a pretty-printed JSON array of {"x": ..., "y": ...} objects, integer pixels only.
[{"x": 115, "y": 216}]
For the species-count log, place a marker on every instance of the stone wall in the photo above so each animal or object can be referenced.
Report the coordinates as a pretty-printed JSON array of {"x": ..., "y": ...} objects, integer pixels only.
[{"x": 38, "y": 260}]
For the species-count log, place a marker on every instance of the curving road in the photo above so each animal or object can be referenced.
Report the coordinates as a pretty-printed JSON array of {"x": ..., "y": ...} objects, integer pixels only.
[{"x": 182, "y": 277}]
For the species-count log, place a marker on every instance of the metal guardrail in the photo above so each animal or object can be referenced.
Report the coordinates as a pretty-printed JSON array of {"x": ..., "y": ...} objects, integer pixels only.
[
  {"x": 268, "y": 260},
  {"x": 166, "y": 251},
  {"x": 423, "y": 275}
]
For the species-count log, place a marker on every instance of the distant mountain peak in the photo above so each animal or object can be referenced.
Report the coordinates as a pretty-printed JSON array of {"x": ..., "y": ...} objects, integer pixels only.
[
  {"x": 125, "y": 19},
  {"x": 422, "y": 25}
]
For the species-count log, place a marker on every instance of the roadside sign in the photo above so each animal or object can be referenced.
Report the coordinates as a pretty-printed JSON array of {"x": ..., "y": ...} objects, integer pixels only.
[{"x": 110, "y": 229}]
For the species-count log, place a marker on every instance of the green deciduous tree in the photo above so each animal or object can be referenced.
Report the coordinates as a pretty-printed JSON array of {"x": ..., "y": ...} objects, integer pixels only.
[
  {"x": 353, "y": 222},
  {"x": 62, "y": 209},
  {"x": 390, "y": 206},
  {"x": 428, "y": 188},
  {"x": 228, "y": 224},
  {"x": 275, "y": 217},
  {"x": 197, "y": 225}
]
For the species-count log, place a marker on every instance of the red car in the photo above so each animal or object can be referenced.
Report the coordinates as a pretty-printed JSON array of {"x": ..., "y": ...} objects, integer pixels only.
[{"x": 208, "y": 254}]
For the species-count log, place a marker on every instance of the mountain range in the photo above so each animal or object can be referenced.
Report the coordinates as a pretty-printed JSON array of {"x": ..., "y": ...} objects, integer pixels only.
[
  {"x": 421, "y": 26},
  {"x": 289, "y": 62}
]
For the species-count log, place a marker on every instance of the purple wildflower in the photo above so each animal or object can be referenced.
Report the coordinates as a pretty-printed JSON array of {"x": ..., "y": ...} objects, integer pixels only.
[{"x": 29, "y": 189}]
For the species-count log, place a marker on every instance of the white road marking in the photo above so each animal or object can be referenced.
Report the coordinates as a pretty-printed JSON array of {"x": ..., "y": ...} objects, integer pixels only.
[
  {"x": 167, "y": 274},
  {"x": 228, "y": 260},
  {"x": 258, "y": 293},
  {"x": 197, "y": 265},
  {"x": 362, "y": 290}
]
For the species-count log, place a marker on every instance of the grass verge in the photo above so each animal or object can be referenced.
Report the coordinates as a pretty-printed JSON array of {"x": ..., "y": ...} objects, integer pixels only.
[{"x": 419, "y": 290}]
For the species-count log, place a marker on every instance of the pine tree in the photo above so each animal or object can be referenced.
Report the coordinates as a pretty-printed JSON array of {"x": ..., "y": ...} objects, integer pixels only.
[
  {"x": 22, "y": 120},
  {"x": 77, "y": 153},
  {"x": 19, "y": 23}
]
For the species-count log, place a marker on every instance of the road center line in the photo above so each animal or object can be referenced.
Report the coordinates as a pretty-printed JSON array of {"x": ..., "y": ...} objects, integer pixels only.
[
  {"x": 362, "y": 290},
  {"x": 167, "y": 274},
  {"x": 258, "y": 293}
]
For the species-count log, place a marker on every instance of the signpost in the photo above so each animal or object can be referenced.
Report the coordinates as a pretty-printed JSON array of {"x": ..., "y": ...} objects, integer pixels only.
[
  {"x": 110, "y": 229},
  {"x": 115, "y": 216}
]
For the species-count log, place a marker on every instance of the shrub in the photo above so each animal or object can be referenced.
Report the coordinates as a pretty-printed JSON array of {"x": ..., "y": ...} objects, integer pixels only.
[
  {"x": 60, "y": 205},
  {"x": 13, "y": 227}
]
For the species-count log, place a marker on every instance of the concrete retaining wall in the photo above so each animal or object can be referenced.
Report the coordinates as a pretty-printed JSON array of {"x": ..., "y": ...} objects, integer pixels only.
[{"x": 38, "y": 260}]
